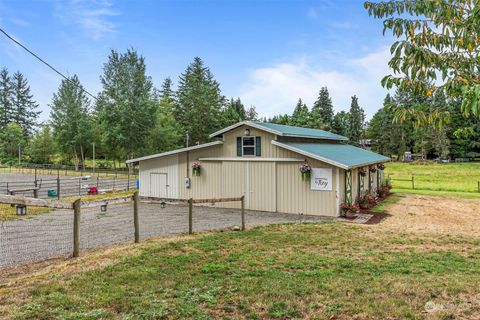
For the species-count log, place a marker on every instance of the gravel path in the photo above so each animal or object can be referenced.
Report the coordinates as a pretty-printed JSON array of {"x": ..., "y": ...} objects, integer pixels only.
[{"x": 50, "y": 235}]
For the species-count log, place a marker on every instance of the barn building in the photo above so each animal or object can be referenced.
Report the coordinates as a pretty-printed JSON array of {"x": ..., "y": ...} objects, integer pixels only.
[{"x": 261, "y": 161}]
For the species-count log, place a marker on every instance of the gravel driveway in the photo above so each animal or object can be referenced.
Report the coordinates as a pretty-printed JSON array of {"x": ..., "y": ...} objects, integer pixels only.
[{"x": 50, "y": 235}]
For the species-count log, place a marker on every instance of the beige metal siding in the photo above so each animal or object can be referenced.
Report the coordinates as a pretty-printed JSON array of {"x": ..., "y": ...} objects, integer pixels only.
[
  {"x": 261, "y": 186},
  {"x": 166, "y": 165}
]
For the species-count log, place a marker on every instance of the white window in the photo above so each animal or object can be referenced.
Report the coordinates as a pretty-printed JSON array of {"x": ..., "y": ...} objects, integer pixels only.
[{"x": 248, "y": 146}]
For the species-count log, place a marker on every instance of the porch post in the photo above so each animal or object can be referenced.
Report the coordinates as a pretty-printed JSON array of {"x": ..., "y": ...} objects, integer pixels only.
[{"x": 348, "y": 186}]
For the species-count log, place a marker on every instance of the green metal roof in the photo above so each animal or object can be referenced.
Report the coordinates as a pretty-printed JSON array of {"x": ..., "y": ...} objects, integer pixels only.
[
  {"x": 283, "y": 130},
  {"x": 341, "y": 155},
  {"x": 292, "y": 131}
]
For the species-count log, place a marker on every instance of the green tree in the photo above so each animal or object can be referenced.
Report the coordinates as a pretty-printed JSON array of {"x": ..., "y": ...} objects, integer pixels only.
[
  {"x": 12, "y": 138},
  {"x": 6, "y": 93},
  {"x": 41, "y": 147},
  {"x": 435, "y": 38},
  {"x": 23, "y": 105},
  {"x": 322, "y": 111},
  {"x": 234, "y": 112},
  {"x": 356, "y": 122},
  {"x": 126, "y": 106},
  {"x": 199, "y": 102},
  {"x": 300, "y": 116},
  {"x": 251, "y": 114},
  {"x": 340, "y": 123},
  {"x": 166, "y": 134},
  {"x": 71, "y": 120}
]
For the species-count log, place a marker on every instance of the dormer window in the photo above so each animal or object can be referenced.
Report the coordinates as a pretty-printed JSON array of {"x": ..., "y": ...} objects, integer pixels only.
[{"x": 249, "y": 146}]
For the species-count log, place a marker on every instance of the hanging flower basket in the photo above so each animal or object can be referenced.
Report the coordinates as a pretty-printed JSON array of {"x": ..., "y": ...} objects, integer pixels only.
[
  {"x": 196, "y": 168},
  {"x": 381, "y": 166},
  {"x": 373, "y": 169},
  {"x": 305, "y": 170},
  {"x": 362, "y": 172}
]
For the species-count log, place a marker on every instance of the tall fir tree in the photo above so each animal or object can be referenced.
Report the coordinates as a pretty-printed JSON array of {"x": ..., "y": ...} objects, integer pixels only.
[
  {"x": 300, "y": 115},
  {"x": 23, "y": 104},
  {"x": 6, "y": 96},
  {"x": 126, "y": 107},
  {"x": 234, "y": 112},
  {"x": 71, "y": 120},
  {"x": 340, "y": 123},
  {"x": 322, "y": 111},
  {"x": 166, "y": 135},
  {"x": 356, "y": 122},
  {"x": 251, "y": 114},
  {"x": 199, "y": 102}
]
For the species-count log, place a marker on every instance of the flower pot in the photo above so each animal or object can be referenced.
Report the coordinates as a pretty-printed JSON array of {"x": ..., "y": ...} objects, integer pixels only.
[
  {"x": 350, "y": 214},
  {"x": 305, "y": 176},
  {"x": 196, "y": 171}
]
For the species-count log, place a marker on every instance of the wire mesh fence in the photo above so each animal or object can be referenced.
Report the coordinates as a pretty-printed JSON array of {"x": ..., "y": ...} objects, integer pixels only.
[
  {"x": 53, "y": 232},
  {"x": 56, "y": 187},
  {"x": 67, "y": 170}
]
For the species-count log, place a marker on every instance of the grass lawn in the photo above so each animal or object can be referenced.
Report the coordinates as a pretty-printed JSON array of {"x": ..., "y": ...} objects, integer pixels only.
[
  {"x": 450, "y": 179},
  {"x": 316, "y": 271},
  {"x": 8, "y": 212}
]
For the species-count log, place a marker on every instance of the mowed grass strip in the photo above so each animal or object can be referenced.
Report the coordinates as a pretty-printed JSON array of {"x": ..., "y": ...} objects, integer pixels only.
[
  {"x": 8, "y": 213},
  {"x": 316, "y": 271},
  {"x": 451, "y": 179}
]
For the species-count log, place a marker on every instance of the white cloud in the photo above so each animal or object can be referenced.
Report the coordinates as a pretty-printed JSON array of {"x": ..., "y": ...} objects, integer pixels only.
[
  {"x": 93, "y": 16},
  {"x": 275, "y": 89}
]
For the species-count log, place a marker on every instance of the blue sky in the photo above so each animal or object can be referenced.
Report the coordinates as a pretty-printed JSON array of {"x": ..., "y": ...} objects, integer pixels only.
[{"x": 268, "y": 53}]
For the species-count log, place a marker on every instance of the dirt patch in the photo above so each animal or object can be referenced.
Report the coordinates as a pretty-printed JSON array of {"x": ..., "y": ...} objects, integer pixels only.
[{"x": 432, "y": 215}]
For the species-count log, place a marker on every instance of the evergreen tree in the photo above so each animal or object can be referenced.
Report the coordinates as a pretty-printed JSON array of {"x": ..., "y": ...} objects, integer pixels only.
[
  {"x": 234, "y": 112},
  {"x": 199, "y": 102},
  {"x": 23, "y": 105},
  {"x": 322, "y": 111},
  {"x": 71, "y": 120},
  {"x": 12, "y": 140},
  {"x": 340, "y": 123},
  {"x": 126, "y": 106},
  {"x": 41, "y": 147},
  {"x": 6, "y": 93},
  {"x": 166, "y": 135},
  {"x": 280, "y": 119},
  {"x": 300, "y": 116},
  {"x": 356, "y": 122},
  {"x": 252, "y": 114}
]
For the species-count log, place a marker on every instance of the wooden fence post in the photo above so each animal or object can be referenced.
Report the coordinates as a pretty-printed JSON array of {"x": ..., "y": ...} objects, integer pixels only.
[
  {"x": 413, "y": 183},
  {"x": 76, "y": 228},
  {"x": 190, "y": 216},
  {"x": 243, "y": 213},
  {"x": 478, "y": 186},
  {"x": 135, "y": 217}
]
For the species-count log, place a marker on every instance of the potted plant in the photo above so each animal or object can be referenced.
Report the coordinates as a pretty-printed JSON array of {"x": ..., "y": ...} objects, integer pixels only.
[
  {"x": 349, "y": 209},
  {"x": 196, "y": 168},
  {"x": 305, "y": 170},
  {"x": 381, "y": 166},
  {"x": 366, "y": 200},
  {"x": 373, "y": 169},
  {"x": 362, "y": 172}
]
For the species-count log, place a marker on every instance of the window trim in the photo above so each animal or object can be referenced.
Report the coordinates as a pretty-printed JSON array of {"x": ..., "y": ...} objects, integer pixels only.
[{"x": 254, "y": 146}]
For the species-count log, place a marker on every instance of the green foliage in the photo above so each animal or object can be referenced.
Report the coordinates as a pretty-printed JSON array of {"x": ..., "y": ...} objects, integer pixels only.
[
  {"x": 6, "y": 96},
  {"x": 340, "y": 123},
  {"x": 234, "y": 112},
  {"x": 71, "y": 120},
  {"x": 23, "y": 104},
  {"x": 12, "y": 138},
  {"x": 251, "y": 114},
  {"x": 41, "y": 147},
  {"x": 436, "y": 38},
  {"x": 166, "y": 135},
  {"x": 300, "y": 116},
  {"x": 356, "y": 122},
  {"x": 199, "y": 102},
  {"x": 321, "y": 116},
  {"x": 126, "y": 107}
]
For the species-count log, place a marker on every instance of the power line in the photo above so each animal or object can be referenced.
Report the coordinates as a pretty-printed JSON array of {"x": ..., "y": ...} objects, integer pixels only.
[{"x": 46, "y": 63}]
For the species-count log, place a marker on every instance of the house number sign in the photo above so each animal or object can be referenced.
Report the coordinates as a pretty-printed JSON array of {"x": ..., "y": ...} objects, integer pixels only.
[{"x": 321, "y": 179}]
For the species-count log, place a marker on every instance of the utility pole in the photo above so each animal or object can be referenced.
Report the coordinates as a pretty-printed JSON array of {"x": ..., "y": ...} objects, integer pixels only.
[
  {"x": 94, "y": 157},
  {"x": 187, "y": 138},
  {"x": 19, "y": 155}
]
